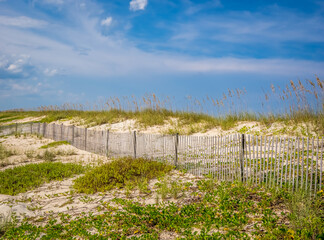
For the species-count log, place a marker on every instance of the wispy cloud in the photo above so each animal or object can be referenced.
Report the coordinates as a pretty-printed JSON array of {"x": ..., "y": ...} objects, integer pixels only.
[
  {"x": 237, "y": 27},
  {"x": 107, "y": 21},
  {"x": 136, "y": 5},
  {"x": 195, "y": 8},
  {"x": 22, "y": 21},
  {"x": 50, "y": 72},
  {"x": 16, "y": 66}
]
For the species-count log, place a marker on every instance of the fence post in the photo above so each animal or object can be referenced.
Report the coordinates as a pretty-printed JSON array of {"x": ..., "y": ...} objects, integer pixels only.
[
  {"x": 176, "y": 150},
  {"x": 31, "y": 128},
  {"x": 54, "y": 131},
  {"x": 107, "y": 143},
  {"x": 73, "y": 135},
  {"x": 16, "y": 130},
  {"x": 44, "y": 129},
  {"x": 61, "y": 131},
  {"x": 85, "y": 138},
  {"x": 242, "y": 159},
  {"x": 135, "y": 144}
]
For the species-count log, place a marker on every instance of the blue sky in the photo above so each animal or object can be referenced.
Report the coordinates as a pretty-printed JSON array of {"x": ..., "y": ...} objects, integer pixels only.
[{"x": 77, "y": 51}]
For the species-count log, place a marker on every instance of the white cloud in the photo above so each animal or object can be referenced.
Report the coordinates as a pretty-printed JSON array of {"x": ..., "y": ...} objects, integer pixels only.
[
  {"x": 22, "y": 21},
  {"x": 50, "y": 72},
  {"x": 136, "y": 5},
  {"x": 107, "y": 22},
  {"x": 15, "y": 65},
  {"x": 14, "y": 68}
]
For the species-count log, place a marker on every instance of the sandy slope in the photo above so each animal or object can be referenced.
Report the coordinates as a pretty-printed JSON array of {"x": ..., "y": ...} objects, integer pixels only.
[{"x": 57, "y": 197}]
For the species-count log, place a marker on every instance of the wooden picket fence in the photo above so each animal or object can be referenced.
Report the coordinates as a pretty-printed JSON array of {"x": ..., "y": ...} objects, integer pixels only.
[{"x": 290, "y": 162}]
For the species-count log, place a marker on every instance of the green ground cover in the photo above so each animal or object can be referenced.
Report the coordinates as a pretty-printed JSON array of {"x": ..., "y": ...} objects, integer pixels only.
[
  {"x": 215, "y": 211},
  {"x": 24, "y": 178}
]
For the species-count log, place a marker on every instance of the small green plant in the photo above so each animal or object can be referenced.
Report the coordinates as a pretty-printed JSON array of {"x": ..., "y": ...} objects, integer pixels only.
[
  {"x": 176, "y": 189},
  {"x": 5, "y": 224},
  {"x": 54, "y": 144},
  {"x": 4, "y": 154},
  {"x": 206, "y": 185},
  {"x": 48, "y": 156},
  {"x": 129, "y": 186},
  {"x": 39, "y": 136},
  {"x": 167, "y": 188},
  {"x": 163, "y": 188},
  {"x": 68, "y": 152},
  {"x": 86, "y": 199},
  {"x": 143, "y": 186},
  {"x": 30, "y": 154},
  {"x": 18, "y": 135},
  {"x": 269, "y": 219},
  {"x": 243, "y": 130}
]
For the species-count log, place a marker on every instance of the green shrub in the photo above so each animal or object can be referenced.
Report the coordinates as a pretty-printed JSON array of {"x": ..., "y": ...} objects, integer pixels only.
[
  {"x": 24, "y": 178},
  {"x": 118, "y": 173}
]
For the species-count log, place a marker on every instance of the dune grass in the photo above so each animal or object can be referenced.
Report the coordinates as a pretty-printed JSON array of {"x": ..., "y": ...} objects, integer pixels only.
[
  {"x": 196, "y": 121},
  {"x": 299, "y": 102}
]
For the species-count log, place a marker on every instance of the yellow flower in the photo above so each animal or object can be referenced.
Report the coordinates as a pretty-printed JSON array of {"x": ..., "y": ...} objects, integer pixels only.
[
  {"x": 225, "y": 229},
  {"x": 136, "y": 231}
]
